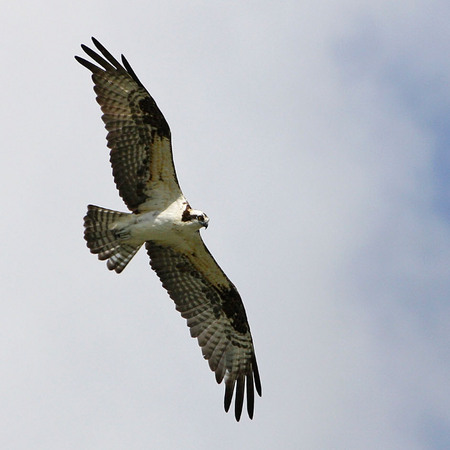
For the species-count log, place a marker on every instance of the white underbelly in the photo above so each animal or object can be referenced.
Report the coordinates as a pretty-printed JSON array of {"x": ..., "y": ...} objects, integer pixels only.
[{"x": 151, "y": 226}]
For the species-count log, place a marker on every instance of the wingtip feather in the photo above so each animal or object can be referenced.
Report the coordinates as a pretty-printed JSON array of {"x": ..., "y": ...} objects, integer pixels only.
[
  {"x": 130, "y": 70},
  {"x": 257, "y": 379},
  {"x": 229, "y": 389},
  {"x": 239, "y": 400},
  {"x": 250, "y": 395}
]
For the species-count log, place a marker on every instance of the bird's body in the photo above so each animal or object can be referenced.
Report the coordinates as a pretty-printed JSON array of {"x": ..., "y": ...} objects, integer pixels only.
[
  {"x": 162, "y": 219},
  {"x": 165, "y": 226}
]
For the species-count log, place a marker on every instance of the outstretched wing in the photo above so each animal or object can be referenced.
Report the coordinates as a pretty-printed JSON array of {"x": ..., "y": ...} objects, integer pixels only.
[
  {"x": 138, "y": 134},
  {"x": 214, "y": 311}
]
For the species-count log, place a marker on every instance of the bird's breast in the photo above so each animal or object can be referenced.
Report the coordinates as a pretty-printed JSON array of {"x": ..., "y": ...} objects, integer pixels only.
[{"x": 155, "y": 226}]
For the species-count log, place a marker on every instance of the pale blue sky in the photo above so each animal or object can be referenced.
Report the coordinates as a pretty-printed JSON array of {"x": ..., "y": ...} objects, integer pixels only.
[{"x": 315, "y": 137}]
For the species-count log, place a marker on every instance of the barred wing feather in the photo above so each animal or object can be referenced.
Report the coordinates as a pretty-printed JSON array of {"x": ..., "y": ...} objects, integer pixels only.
[
  {"x": 138, "y": 134},
  {"x": 215, "y": 315}
]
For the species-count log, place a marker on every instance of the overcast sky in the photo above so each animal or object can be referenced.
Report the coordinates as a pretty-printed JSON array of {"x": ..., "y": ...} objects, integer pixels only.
[{"x": 315, "y": 135}]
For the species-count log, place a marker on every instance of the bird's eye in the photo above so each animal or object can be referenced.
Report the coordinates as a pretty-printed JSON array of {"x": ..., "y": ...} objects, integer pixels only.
[{"x": 201, "y": 218}]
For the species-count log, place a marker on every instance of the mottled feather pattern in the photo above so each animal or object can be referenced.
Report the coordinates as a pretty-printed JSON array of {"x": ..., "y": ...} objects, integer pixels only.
[
  {"x": 138, "y": 134},
  {"x": 229, "y": 352}
]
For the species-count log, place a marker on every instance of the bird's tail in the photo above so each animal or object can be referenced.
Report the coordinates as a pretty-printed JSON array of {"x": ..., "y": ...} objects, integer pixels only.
[{"x": 103, "y": 240}]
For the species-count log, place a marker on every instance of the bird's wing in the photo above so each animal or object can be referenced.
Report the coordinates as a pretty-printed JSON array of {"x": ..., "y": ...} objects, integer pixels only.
[
  {"x": 214, "y": 311},
  {"x": 138, "y": 134}
]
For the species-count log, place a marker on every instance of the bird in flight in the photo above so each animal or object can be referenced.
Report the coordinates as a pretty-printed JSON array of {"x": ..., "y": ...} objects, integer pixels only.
[{"x": 140, "y": 146}]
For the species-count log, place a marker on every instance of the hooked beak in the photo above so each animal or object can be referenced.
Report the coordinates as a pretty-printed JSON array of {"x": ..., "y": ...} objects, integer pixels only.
[{"x": 205, "y": 222}]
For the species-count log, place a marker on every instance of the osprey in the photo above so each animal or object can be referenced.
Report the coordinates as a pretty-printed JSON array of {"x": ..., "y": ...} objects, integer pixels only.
[{"x": 161, "y": 217}]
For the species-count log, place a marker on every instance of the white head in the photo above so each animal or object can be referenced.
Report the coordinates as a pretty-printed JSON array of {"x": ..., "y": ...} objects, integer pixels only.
[{"x": 194, "y": 216}]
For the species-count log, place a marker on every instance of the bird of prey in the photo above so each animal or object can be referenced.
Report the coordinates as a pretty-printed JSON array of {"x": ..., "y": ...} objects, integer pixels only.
[{"x": 140, "y": 146}]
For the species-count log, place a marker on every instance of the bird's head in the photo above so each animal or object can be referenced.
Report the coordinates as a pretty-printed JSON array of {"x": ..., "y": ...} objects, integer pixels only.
[{"x": 194, "y": 216}]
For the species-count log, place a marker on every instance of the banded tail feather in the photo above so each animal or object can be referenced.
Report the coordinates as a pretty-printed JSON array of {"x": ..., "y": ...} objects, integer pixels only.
[{"x": 103, "y": 240}]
